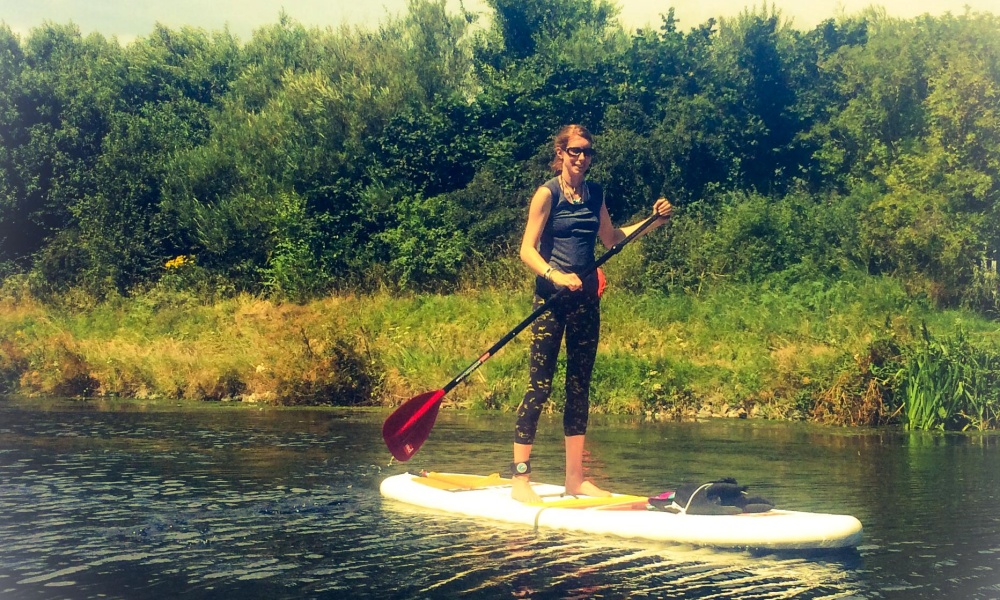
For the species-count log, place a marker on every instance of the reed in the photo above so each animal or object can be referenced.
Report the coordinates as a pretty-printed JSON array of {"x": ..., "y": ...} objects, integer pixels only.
[{"x": 950, "y": 383}]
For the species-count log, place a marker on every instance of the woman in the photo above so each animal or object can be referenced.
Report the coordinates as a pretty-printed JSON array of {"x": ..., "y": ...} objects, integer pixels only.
[{"x": 566, "y": 215}]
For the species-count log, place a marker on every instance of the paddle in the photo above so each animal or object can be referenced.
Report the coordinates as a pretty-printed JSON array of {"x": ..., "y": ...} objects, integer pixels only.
[{"x": 408, "y": 427}]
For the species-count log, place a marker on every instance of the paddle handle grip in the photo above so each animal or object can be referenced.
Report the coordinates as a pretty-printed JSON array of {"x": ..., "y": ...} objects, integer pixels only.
[{"x": 546, "y": 305}]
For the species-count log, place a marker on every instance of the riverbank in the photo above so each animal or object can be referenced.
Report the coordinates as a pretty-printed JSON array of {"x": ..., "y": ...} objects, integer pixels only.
[{"x": 834, "y": 352}]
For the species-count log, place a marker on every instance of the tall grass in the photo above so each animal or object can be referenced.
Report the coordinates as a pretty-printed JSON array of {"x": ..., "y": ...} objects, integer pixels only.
[
  {"x": 951, "y": 384},
  {"x": 849, "y": 351},
  {"x": 243, "y": 348}
]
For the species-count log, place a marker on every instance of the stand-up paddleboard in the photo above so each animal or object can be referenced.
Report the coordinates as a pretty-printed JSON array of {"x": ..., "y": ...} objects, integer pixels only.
[{"x": 488, "y": 497}]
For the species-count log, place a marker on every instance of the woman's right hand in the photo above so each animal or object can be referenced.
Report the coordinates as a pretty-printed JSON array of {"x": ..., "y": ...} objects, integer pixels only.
[
  {"x": 566, "y": 280},
  {"x": 662, "y": 208}
]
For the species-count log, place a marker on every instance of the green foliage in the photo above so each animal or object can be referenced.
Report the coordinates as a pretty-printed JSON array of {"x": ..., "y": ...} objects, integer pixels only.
[
  {"x": 121, "y": 224},
  {"x": 950, "y": 384},
  {"x": 752, "y": 85},
  {"x": 865, "y": 143},
  {"x": 753, "y": 237},
  {"x": 61, "y": 90},
  {"x": 749, "y": 238},
  {"x": 984, "y": 293},
  {"x": 296, "y": 266},
  {"x": 917, "y": 234},
  {"x": 423, "y": 248},
  {"x": 433, "y": 151},
  {"x": 527, "y": 27},
  {"x": 15, "y": 235}
]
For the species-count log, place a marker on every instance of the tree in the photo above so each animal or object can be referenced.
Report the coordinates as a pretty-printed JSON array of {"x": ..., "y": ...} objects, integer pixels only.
[
  {"x": 18, "y": 235},
  {"x": 879, "y": 109},
  {"x": 753, "y": 86},
  {"x": 61, "y": 119}
]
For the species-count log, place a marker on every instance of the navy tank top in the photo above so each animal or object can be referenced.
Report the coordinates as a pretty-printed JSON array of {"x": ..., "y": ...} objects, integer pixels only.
[{"x": 568, "y": 238}]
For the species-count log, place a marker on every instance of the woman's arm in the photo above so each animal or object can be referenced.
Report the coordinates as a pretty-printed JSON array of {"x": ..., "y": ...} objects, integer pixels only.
[
  {"x": 538, "y": 215},
  {"x": 610, "y": 235}
]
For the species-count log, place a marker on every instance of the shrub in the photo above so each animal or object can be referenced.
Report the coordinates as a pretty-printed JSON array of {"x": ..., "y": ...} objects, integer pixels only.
[
  {"x": 424, "y": 249},
  {"x": 861, "y": 393},
  {"x": 13, "y": 364},
  {"x": 339, "y": 375}
]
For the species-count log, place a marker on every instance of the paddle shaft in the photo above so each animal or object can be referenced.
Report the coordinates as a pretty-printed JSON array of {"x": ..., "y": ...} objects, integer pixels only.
[{"x": 545, "y": 306}]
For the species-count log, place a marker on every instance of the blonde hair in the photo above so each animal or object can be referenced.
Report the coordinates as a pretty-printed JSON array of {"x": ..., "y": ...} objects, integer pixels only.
[{"x": 562, "y": 138}]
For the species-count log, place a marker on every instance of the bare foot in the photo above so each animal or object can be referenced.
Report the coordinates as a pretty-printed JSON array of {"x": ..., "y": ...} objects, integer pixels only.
[
  {"x": 586, "y": 488},
  {"x": 522, "y": 492}
]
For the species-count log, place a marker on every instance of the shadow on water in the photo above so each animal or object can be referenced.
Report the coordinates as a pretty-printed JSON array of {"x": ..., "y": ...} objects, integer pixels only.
[{"x": 162, "y": 501}]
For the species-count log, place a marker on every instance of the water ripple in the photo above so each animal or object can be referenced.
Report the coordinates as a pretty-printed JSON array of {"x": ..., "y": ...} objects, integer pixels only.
[{"x": 284, "y": 504}]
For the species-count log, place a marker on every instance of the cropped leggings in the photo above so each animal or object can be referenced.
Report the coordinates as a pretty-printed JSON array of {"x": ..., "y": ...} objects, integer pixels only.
[{"x": 576, "y": 316}]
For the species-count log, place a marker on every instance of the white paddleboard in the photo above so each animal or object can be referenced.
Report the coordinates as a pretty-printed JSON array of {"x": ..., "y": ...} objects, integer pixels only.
[{"x": 488, "y": 497}]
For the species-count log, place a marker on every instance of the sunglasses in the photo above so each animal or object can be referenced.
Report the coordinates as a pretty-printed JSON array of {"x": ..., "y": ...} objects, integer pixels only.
[{"x": 575, "y": 152}]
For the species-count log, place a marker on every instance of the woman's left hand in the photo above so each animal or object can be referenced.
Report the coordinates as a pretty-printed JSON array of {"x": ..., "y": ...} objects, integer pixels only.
[{"x": 663, "y": 209}]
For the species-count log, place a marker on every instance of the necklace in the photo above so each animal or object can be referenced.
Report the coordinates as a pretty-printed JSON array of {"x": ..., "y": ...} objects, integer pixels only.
[{"x": 571, "y": 193}]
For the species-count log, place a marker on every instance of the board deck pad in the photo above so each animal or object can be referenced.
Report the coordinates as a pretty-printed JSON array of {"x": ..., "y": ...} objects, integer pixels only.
[{"x": 488, "y": 497}]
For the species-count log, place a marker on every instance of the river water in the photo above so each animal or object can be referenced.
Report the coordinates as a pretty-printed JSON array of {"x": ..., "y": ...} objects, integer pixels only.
[{"x": 126, "y": 500}]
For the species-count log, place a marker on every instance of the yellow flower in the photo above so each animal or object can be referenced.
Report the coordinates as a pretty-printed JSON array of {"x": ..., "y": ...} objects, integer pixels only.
[{"x": 178, "y": 262}]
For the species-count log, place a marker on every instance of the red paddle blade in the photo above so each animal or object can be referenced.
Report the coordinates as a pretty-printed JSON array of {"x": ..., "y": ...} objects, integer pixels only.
[{"x": 408, "y": 427}]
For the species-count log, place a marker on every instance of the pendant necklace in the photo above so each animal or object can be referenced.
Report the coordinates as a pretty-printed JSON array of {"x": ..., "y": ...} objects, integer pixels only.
[{"x": 570, "y": 192}]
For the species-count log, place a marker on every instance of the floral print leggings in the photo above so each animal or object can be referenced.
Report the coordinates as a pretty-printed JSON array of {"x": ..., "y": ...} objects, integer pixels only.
[{"x": 578, "y": 317}]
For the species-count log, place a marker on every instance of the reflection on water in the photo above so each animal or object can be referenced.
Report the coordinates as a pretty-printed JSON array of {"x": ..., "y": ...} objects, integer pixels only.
[
  {"x": 230, "y": 502},
  {"x": 499, "y": 561}
]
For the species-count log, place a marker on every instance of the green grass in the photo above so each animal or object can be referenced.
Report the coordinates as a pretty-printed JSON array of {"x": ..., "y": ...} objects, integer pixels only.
[{"x": 842, "y": 352}]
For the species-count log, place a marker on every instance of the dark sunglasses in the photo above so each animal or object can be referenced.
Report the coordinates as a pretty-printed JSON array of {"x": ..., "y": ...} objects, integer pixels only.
[{"x": 575, "y": 152}]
